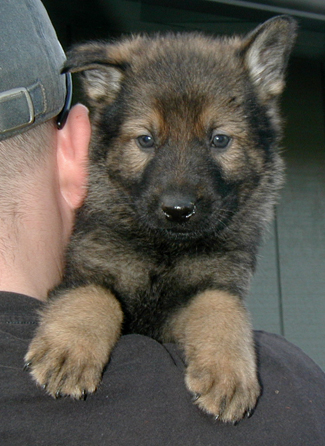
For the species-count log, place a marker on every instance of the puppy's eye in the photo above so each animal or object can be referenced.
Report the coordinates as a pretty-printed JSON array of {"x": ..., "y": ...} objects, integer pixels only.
[
  {"x": 145, "y": 142},
  {"x": 220, "y": 141}
]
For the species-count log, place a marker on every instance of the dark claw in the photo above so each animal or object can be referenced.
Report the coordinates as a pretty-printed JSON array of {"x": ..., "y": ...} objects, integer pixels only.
[
  {"x": 250, "y": 413},
  {"x": 84, "y": 395},
  {"x": 58, "y": 395},
  {"x": 27, "y": 366}
]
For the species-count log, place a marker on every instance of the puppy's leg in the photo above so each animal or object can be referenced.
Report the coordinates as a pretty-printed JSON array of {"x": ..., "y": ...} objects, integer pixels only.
[
  {"x": 73, "y": 342},
  {"x": 215, "y": 333}
]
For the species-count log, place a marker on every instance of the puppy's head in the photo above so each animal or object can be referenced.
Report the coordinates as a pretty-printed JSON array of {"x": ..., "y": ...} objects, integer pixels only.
[{"x": 185, "y": 127}]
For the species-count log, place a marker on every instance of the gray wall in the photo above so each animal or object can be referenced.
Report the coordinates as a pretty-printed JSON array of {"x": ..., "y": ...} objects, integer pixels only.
[{"x": 288, "y": 293}]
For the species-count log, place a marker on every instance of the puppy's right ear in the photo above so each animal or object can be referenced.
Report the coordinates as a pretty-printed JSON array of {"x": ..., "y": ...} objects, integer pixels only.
[{"x": 102, "y": 73}]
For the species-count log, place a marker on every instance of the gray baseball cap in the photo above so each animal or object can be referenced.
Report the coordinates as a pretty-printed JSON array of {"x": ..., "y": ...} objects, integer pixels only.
[{"x": 32, "y": 89}]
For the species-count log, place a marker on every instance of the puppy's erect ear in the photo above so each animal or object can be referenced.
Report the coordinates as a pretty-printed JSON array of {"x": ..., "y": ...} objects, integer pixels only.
[
  {"x": 102, "y": 72},
  {"x": 266, "y": 51}
]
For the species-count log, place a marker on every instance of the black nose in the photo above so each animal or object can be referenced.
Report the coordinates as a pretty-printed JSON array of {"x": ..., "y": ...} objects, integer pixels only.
[{"x": 178, "y": 209}]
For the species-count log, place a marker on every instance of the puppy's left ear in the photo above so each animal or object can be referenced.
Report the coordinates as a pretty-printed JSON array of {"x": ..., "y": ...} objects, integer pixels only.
[
  {"x": 266, "y": 51},
  {"x": 102, "y": 71}
]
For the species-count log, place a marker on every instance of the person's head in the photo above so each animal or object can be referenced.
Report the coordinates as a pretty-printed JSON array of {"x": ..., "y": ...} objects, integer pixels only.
[{"x": 42, "y": 167}]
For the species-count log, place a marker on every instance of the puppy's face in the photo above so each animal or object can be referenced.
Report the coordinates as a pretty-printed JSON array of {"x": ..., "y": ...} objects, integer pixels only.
[
  {"x": 185, "y": 127},
  {"x": 184, "y": 153}
]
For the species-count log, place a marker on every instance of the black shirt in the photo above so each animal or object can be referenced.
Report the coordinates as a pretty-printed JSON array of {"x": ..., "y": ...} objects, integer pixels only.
[{"x": 143, "y": 400}]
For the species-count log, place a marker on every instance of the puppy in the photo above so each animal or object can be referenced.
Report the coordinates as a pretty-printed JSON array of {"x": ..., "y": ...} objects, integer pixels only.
[{"x": 184, "y": 174}]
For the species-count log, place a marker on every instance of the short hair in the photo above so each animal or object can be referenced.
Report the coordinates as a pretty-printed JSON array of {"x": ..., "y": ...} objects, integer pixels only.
[{"x": 25, "y": 152}]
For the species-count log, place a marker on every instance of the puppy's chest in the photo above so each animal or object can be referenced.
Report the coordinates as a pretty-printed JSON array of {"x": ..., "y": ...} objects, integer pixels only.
[
  {"x": 145, "y": 283},
  {"x": 151, "y": 290},
  {"x": 148, "y": 303},
  {"x": 149, "y": 284},
  {"x": 142, "y": 273}
]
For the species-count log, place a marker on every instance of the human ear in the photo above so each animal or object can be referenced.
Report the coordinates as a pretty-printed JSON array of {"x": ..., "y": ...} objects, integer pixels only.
[{"x": 72, "y": 153}]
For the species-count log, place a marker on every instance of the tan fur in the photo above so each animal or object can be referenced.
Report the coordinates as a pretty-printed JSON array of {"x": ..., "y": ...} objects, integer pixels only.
[
  {"x": 75, "y": 340},
  {"x": 221, "y": 361}
]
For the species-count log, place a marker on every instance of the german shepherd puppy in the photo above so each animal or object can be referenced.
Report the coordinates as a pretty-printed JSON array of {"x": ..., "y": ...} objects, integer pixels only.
[{"x": 184, "y": 174}]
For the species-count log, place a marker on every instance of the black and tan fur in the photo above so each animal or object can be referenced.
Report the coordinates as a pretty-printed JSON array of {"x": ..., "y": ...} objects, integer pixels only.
[{"x": 184, "y": 174}]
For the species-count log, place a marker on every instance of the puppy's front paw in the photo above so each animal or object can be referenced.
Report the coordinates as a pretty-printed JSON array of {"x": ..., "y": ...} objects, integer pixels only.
[
  {"x": 64, "y": 365},
  {"x": 73, "y": 342},
  {"x": 226, "y": 388},
  {"x": 216, "y": 335}
]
